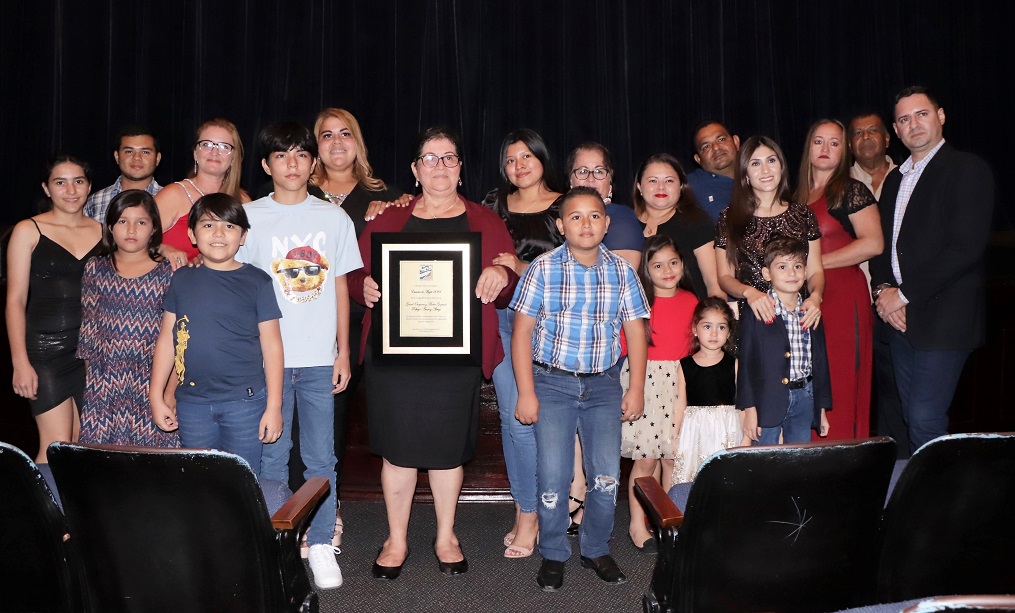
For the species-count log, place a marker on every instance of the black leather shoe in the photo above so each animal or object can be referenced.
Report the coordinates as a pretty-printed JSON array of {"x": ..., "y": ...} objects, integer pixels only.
[
  {"x": 387, "y": 573},
  {"x": 606, "y": 567},
  {"x": 551, "y": 575},
  {"x": 451, "y": 568}
]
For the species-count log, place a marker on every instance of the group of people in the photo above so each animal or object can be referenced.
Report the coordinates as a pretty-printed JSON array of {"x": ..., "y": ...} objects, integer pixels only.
[{"x": 719, "y": 309}]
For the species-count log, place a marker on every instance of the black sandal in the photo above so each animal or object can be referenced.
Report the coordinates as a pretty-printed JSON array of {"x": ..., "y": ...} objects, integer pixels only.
[{"x": 572, "y": 530}]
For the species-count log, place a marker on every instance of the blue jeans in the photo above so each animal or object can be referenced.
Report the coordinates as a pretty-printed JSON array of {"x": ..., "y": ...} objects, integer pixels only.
[
  {"x": 227, "y": 426},
  {"x": 519, "y": 440},
  {"x": 926, "y": 381},
  {"x": 592, "y": 406},
  {"x": 310, "y": 388},
  {"x": 796, "y": 426}
]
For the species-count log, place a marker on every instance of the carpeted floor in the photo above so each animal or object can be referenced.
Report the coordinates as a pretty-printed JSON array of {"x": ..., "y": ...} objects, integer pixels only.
[{"x": 493, "y": 582}]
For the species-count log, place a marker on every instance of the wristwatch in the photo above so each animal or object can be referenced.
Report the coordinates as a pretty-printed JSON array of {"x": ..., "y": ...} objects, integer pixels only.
[{"x": 880, "y": 288}]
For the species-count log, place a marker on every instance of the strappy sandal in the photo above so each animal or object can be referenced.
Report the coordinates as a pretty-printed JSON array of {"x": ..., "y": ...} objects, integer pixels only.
[{"x": 572, "y": 530}]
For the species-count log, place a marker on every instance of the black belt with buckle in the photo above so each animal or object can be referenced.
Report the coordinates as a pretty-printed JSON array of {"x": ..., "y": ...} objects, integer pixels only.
[
  {"x": 580, "y": 375},
  {"x": 799, "y": 383}
]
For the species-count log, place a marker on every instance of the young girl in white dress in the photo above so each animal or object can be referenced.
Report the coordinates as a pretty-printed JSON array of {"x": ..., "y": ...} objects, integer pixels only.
[
  {"x": 706, "y": 391},
  {"x": 651, "y": 440}
]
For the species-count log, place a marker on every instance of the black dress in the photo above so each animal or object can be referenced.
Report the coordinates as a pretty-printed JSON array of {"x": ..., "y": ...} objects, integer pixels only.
[
  {"x": 52, "y": 322},
  {"x": 424, "y": 417}
]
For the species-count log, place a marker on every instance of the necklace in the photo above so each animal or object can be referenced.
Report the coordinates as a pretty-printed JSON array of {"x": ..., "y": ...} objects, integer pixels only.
[
  {"x": 194, "y": 185},
  {"x": 335, "y": 198},
  {"x": 441, "y": 212}
]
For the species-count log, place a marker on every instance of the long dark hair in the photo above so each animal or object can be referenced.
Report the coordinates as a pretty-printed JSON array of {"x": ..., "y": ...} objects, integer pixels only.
[
  {"x": 537, "y": 146},
  {"x": 711, "y": 303},
  {"x": 121, "y": 202},
  {"x": 45, "y": 203},
  {"x": 687, "y": 204},
  {"x": 743, "y": 202},
  {"x": 653, "y": 245}
]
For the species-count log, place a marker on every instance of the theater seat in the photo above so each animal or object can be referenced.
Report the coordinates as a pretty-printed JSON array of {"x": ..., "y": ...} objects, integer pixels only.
[
  {"x": 181, "y": 530},
  {"x": 36, "y": 561},
  {"x": 948, "y": 525},
  {"x": 784, "y": 528}
]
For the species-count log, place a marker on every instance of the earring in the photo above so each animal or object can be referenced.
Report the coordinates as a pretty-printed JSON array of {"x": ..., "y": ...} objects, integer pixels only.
[
  {"x": 195, "y": 167},
  {"x": 459, "y": 182},
  {"x": 417, "y": 182}
]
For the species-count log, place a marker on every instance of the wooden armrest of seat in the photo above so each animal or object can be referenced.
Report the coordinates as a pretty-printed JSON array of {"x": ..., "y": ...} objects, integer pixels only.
[
  {"x": 295, "y": 510},
  {"x": 661, "y": 511}
]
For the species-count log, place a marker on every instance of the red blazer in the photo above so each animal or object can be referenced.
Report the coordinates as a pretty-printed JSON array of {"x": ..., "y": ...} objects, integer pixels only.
[{"x": 496, "y": 240}]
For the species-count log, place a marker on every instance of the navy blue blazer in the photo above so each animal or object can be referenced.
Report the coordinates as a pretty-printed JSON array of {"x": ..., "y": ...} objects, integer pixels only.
[
  {"x": 763, "y": 370},
  {"x": 941, "y": 247}
]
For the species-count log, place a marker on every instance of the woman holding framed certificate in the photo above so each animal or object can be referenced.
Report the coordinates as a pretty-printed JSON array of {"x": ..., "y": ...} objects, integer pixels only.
[{"x": 424, "y": 413}]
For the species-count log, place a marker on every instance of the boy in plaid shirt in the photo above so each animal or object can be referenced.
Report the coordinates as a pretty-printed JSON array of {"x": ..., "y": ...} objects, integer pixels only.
[
  {"x": 783, "y": 384},
  {"x": 570, "y": 307}
]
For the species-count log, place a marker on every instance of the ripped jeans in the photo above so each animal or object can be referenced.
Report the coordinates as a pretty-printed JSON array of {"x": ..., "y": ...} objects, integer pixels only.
[{"x": 592, "y": 406}]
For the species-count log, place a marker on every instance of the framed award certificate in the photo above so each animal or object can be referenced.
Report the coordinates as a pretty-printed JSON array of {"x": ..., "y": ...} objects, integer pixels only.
[{"x": 428, "y": 312}]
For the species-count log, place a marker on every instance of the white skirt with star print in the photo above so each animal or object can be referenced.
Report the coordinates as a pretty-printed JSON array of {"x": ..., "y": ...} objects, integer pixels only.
[{"x": 654, "y": 436}]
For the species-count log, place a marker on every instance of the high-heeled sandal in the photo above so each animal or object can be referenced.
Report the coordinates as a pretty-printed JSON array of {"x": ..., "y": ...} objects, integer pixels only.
[{"x": 572, "y": 530}]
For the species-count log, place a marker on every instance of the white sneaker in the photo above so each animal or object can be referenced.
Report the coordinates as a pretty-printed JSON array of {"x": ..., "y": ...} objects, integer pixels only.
[
  {"x": 327, "y": 574},
  {"x": 336, "y": 541}
]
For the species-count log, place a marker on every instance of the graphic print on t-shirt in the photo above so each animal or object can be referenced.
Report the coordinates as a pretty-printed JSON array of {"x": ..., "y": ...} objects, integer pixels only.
[
  {"x": 182, "y": 338},
  {"x": 301, "y": 274}
]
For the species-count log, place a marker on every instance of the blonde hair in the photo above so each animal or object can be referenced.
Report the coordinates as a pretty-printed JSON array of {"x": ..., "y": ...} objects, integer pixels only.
[
  {"x": 361, "y": 168},
  {"x": 231, "y": 180}
]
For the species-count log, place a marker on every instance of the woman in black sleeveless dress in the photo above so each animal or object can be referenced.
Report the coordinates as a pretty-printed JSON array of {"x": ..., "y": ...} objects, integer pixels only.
[{"x": 45, "y": 260}]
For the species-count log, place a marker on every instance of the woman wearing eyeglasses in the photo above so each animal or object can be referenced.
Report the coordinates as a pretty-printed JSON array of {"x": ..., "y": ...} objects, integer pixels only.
[
  {"x": 525, "y": 200},
  {"x": 427, "y": 416},
  {"x": 218, "y": 160},
  {"x": 589, "y": 164}
]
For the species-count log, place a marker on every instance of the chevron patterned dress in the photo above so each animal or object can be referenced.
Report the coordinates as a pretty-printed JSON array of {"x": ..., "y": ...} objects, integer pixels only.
[{"x": 119, "y": 327}]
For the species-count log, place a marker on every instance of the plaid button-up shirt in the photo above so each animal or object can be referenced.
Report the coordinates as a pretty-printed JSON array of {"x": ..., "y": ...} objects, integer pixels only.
[
  {"x": 799, "y": 338},
  {"x": 579, "y": 310}
]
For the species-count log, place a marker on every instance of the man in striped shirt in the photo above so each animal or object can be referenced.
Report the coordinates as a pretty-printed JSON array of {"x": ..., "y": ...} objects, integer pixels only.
[{"x": 571, "y": 305}]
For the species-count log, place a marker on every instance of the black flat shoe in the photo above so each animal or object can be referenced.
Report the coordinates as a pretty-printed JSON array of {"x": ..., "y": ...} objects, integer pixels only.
[
  {"x": 606, "y": 567},
  {"x": 388, "y": 573},
  {"x": 649, "y": 547},
  {"x": 551, "y": 575},
  {"x": 451, "y": 568}
]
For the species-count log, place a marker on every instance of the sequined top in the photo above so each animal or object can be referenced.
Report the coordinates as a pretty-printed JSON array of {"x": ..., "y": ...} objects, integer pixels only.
[{"x": 797, "y": 221}]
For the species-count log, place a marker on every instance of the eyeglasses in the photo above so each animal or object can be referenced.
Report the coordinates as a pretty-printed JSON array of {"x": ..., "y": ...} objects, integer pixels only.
[
  {"x": 598, "y": 173},
  {"x": 311, "y": 271},
  {"x": 430, "y": 160},
  {"x": 207, "y": 146}
]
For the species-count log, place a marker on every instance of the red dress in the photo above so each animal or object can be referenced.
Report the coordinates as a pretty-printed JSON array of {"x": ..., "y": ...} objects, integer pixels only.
[{"x": 846, "y": 315}]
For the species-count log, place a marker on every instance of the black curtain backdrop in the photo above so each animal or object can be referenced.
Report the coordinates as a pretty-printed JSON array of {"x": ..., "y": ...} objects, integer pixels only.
[{"x": 636, "y": 76}]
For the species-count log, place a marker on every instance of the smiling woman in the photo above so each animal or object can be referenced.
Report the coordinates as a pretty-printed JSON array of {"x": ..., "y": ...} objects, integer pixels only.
[
  {"x": 760, "y": 209},
  {"x": 665, "y": 205},
  {"x": 218, "y": 161},
  {"x": 438, "y": 429},
  {"x": 46, "y": 258}
]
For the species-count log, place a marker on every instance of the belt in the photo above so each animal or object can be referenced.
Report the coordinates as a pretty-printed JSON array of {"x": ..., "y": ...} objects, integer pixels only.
[
  {"x": 799, "y": 383},
  {"x": 580, "y": 375}
]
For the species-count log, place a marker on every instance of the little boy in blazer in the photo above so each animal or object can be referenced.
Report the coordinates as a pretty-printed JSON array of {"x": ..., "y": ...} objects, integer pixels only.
[{"x": 783, "y": 384}]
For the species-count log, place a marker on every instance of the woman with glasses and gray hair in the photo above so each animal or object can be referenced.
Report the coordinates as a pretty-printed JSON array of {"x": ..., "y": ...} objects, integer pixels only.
[
  {"x": 427, "y": 416},
  {"x": 218, "y": 161},
  {"x": 589, "y": 164}
]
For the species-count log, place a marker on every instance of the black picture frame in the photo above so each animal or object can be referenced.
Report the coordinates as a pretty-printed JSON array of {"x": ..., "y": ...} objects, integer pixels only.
[{"x": 435, "y": 321}]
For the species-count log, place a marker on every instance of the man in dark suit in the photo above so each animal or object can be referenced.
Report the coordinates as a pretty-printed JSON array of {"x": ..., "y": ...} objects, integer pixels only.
[{"x": 929, "y": 283}]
